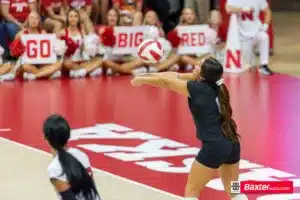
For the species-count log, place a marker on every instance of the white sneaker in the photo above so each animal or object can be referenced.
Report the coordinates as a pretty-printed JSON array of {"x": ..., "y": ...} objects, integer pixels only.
[
  {"x": 140, "y": 70},
  {"x": 174, "y": 68},
  {"x": 28, "y": 76},
  {"x": 189, "y": 68},
  {"x": 55, "y": 75},
  {"x": 152, "y": 69},
  {"x": 96, "y": 72},
  {"x": 109, "y": 72},
  {"x": 81, "y": 73}
]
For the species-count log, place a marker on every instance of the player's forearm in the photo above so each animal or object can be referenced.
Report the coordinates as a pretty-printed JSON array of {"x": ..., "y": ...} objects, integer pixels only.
[
  {"x": 153, "y": 81},
  {"x": 186, "y": 76}
]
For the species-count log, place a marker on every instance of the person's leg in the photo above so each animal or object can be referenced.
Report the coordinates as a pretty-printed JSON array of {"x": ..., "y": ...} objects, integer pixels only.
[
  {"x": 198, "y": 177},
  {"x": 262, "y": 40},
  {"x": 203, "y": 11},
  {"x": 12, "y": 30},
  {"x": 137, "y": 18},
  {"x": 104, "y": 8},
  {"x": 4, "y": 40}
]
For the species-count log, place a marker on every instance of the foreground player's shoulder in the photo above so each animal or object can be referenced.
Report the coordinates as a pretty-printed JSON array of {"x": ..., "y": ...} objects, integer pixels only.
[
  {"x": 195, "y": 87},
  {"x": 80, "y": 156},
  {"x": 54, "y": 169}
]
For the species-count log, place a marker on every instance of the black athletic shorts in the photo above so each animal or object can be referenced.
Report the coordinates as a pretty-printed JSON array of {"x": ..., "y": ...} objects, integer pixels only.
[{"x": 215, "y": 153}]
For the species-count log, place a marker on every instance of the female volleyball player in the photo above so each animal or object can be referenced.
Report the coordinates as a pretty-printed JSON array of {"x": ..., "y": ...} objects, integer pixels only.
[
  {"x": 70, "y": 170},
  {"x": 208, "y": 100}
]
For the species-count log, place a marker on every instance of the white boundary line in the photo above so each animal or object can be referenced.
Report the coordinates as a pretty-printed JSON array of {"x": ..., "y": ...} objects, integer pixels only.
[
  {"x": 5, "y": 129},
  {"x": 98, "y": 170}
]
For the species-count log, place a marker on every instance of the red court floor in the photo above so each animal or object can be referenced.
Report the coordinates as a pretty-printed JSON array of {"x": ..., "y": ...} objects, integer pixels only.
[{"x": 147, "y": 134}]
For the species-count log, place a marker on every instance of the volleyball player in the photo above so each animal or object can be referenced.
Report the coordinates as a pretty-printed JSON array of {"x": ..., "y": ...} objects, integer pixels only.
[
  {"x": 70, "y": 170},
  {"x": 209, "y": 103}
]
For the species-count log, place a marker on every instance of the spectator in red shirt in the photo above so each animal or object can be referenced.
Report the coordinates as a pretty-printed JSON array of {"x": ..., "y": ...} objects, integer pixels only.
[
  {"x": 15, "y": 12},
  {"x": 53, "y": 15},
  {"x": 84, "y": 8},
  {"x": 130, "y": 9}
]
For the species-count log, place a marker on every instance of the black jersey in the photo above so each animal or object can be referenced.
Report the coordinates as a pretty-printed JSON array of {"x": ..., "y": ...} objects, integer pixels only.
[{"x": 203, "y": 104}]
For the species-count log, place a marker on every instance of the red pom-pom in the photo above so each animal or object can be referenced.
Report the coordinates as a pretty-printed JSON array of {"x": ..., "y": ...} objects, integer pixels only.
[
  {"x": 17, "y": 48},
  {"x": 107, "y": 37},
  {"x": 71, "y": 46},
  {"x": 174, "y": 38}
]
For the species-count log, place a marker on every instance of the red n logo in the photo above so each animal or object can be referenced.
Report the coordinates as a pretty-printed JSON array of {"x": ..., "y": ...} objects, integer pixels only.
[
  {"x": 247, "y": 16},
  {"x": 233, "y": 57}
]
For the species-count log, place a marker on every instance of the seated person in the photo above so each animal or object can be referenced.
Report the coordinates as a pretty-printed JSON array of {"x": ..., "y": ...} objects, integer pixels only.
[{"x": 30, "y": 71}]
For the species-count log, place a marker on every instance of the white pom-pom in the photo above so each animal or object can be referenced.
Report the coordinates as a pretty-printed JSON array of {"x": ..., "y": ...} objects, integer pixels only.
[
  {"x": 91, "y": 42},
  {"x": 211, "y": 36},
  {"x": 101, "y": 50},
  {"x": 91, "y": 49},
  {"x": 60, "y": 47},
  {"x": 153, "y": 33}
]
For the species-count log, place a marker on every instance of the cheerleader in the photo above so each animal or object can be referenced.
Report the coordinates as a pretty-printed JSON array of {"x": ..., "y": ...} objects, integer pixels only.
[
  {"x": 70, "y": 169},
  {"x": 77, "y": 57},
  {"x": 209, "y": 104},
  {"x": 114, "y": 63},
  {"x": 170, "y": 57},
  {"x": 30, "y": 71}
]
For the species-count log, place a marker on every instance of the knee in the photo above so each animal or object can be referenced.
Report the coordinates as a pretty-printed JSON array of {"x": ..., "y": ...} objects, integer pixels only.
[{"x": 263, "y": 36}]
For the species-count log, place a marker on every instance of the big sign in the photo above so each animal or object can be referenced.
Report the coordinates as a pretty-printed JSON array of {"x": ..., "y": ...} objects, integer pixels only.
[
  {"x": 39, "y": 49},
  {"x": 128, "y": 39},
  {"x": 194, "y": 39}
]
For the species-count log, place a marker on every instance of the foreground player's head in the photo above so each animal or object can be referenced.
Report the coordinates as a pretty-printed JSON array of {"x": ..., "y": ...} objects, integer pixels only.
[
  {"x": 57, "y": 131},
  {"x": 208, "y": 69}
]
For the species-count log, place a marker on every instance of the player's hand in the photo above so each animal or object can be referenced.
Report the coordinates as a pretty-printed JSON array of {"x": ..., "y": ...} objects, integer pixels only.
[{"x": 135, "y": 82}]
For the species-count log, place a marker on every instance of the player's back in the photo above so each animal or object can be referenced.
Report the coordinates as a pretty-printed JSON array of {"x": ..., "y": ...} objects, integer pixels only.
[{"x": 55, "y": 169}]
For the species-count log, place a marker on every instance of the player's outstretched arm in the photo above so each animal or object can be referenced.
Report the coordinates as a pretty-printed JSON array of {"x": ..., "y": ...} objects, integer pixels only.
[
  {"x": 175, "y": 75},
  {"x": 177, "y": 85}
]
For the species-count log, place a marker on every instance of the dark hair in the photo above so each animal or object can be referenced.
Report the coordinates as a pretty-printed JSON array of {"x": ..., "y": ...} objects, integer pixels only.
[
  {"x": 57, "y": 132},
  {"x": 79, "y": 19},
  {"x": 212, "y": 71},
  {"x": 118, "y": 15}
]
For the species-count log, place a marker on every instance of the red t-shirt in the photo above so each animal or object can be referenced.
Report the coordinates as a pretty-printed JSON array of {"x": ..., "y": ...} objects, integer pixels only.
[
  {"x": 78, "y": 4},
  {"x": 54, "y": 4},
  {"x": 127, "y": 4},
  {"x": 19, "y": 9}
]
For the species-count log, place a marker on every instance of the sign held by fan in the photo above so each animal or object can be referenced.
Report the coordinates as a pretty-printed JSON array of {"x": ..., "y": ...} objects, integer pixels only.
[
  {"x": 234, "y": 59},
  {"x": 129, "y": 38},
  {"x": 194, "y": 39},
  {"x": 39, "y": 49}
]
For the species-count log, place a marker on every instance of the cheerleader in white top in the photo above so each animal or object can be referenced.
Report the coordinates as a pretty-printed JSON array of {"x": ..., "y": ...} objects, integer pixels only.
[
  {"x": 170, "y": 57},
  {"x": 80, "y": 56},
  {"x": 70, "y": 170},
  {"x": 115, "y": 63}
]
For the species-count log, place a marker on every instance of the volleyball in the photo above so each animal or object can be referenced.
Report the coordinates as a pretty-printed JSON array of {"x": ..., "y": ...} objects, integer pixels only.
[{"x": 150, "y": 51}]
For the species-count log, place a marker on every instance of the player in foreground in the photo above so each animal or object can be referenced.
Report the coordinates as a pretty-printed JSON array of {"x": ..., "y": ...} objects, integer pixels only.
[
  {"x": 70, "y": 170},
  {"x": 209, "y": 103}
]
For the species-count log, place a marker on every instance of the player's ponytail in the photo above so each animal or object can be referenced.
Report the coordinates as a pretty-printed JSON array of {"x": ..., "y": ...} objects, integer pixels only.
[
  {"x": 77, "y": 176},
  {"x": 229, "y": 127},
  {"x": 211, "y": 72},
  {"x": 57, "y": 132}
]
